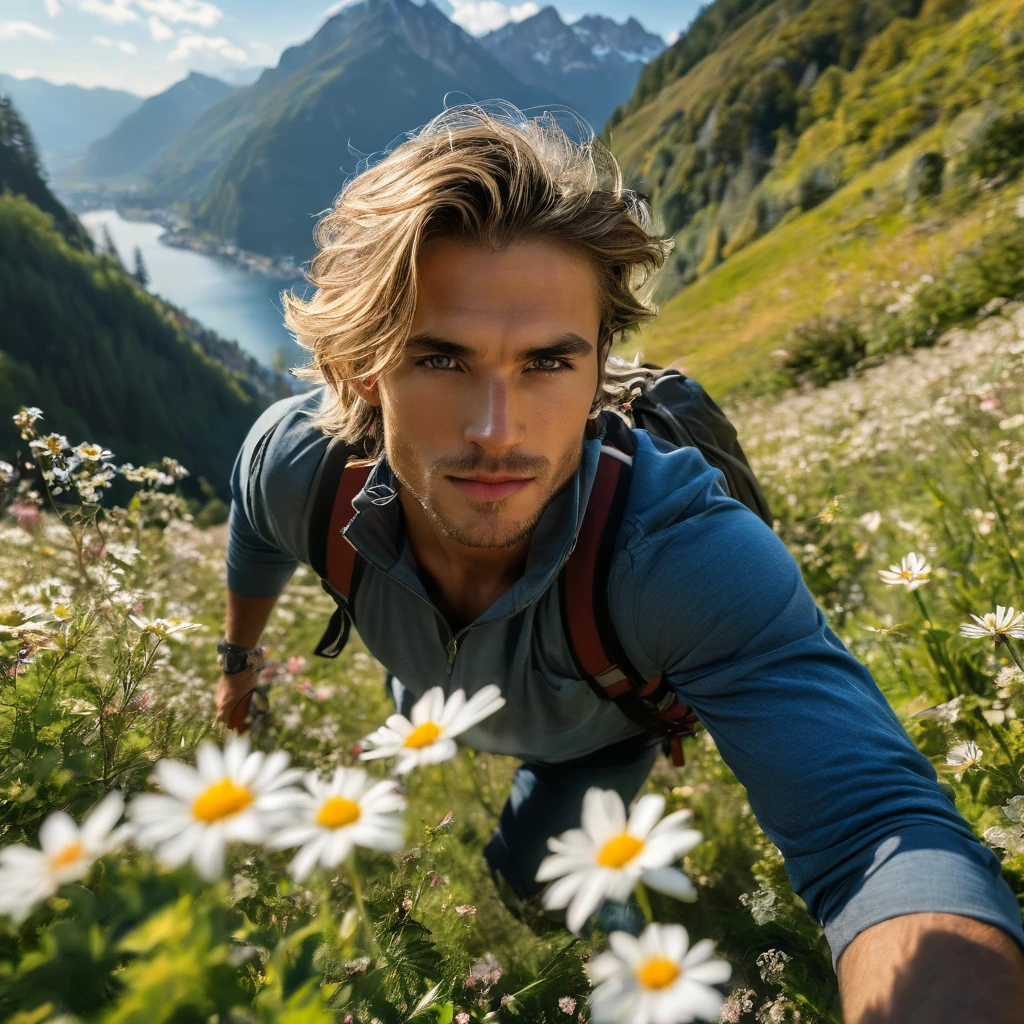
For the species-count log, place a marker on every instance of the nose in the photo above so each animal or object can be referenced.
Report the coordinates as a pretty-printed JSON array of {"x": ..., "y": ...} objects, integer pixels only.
[{"x": 495, "y": 424}]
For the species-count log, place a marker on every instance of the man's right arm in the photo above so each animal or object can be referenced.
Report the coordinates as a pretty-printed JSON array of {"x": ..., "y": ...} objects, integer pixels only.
[{"x": 270, "y": 485}]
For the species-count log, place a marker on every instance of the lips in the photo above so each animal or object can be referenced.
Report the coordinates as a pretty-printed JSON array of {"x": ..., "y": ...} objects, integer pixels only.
[{"x": 490, "y": 490}]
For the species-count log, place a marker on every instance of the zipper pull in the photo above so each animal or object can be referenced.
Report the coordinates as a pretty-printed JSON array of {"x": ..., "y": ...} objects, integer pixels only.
[{"x": 452, "y": 648}]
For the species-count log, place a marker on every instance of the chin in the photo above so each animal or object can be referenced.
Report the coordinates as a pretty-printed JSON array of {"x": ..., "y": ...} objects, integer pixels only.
[{"x": 490, "y": 529}]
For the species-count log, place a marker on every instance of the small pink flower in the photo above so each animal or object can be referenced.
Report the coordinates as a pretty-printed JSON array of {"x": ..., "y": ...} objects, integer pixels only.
[
  {"x": 988, "y": 404},
  {"x": 466, "y": 910},
  {"x": 323, "y": 692},
  {"x": 567, "y": 1004},
  {"x": 435, "y": 879},
  {"x": 296, "y": 664},
  {"x": 407, "y": 904},
  {"x": 462, "y": 1018},
  {"x": 303, "y": 686},
  {"x": 355, "y": 750}
]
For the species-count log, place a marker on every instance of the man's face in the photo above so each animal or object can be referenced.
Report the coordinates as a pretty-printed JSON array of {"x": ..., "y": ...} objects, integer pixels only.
[{"x": 484, "y": 417}]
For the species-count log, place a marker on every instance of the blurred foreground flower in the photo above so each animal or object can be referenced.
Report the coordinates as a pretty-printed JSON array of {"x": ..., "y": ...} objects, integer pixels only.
[
  {"x": 655, "y": 978},
  {"x": 229, "y": 795},
  {"x": 164, "y": 629},
  {"x": 67, "y": 852},
  {"x": 331, "y": 816},
  {"x": 912, "y": 572},
  {"x": 427, "y": 736},
  {"x": 963, "y": 756},
  {"x": 997, "y": 625},
  {"x": 608, "y": 856}
]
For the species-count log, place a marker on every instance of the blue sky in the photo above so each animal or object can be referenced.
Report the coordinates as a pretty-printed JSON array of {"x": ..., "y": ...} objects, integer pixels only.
[{"x": 146, "y": 45}]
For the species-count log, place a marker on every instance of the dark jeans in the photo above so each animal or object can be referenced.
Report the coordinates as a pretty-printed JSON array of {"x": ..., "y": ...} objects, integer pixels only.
[{"x": 547, "y": 799}]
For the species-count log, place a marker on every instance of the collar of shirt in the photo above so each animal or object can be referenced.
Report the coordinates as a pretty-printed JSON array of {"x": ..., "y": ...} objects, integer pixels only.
[{"x": 377, "y": 532}]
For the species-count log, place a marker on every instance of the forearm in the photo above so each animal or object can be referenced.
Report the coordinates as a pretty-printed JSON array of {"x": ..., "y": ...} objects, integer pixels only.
[
  {"x": 932, "y": 968},
  {"x": 246, "y": 618}
]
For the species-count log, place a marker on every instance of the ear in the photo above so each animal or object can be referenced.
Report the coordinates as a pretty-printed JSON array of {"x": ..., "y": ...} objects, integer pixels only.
[{"x": 368, "y": 389}]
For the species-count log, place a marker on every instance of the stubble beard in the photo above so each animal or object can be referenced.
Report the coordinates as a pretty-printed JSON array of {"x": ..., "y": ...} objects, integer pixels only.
[{"x": 492, "y": 533}]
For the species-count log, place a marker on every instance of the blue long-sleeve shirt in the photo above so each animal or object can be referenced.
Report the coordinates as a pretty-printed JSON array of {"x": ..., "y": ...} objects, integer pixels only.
[{"x": 702, "y": 591}]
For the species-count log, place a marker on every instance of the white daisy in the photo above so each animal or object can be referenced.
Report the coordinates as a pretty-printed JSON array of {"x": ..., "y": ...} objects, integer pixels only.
[
  {"x": 229, "y": 795},
  {"x": 963, "y": 756},
  {"x": 164, "y": 629},
  {"x": 654, "y": 978},
  {"x": 67, "y": 852},
  {"x": 92, "y": 452},
  {"x": 427, "y": 736},
  {"x": 333, "y": 815},
  {"x": 608, "y": 856},
  {"x": 912, "y": 572},
  {"x": 997, "y": 625}
]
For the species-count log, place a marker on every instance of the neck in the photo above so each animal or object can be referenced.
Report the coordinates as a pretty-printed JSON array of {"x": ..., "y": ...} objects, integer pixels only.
[{"x": 466, "y": 581}]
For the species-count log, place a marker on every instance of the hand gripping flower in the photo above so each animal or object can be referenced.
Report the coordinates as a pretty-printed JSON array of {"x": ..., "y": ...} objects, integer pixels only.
[
  {"x": 332, "y": 816},
  {"x": 608, "y": 856},
  {"x": 67, "y": 852},
  {"x": 229, "y": 795},
  {"x": 655, "y": 979},
  {"x": 427, "y": 736}
]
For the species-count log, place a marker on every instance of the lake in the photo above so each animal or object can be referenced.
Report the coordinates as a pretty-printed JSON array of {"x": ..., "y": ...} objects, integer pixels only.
[{"x": 236, "y": 303}]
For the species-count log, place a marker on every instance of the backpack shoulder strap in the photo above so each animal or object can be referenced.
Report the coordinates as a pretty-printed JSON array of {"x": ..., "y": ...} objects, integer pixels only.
[
  {"x": 332, "y": 556},
  {"x": 586, "y": 616}
]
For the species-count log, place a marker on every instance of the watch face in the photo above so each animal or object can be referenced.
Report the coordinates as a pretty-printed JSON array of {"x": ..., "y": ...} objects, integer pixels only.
[{"x": 234, "y": 661}]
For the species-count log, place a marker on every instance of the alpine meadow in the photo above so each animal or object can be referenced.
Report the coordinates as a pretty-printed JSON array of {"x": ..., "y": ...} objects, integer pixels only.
[{"x": 843, "y": 184}]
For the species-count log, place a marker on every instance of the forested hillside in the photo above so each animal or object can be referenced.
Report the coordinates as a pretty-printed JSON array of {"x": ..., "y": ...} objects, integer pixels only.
[
  {"x": 80, "y": 339},
  {"x": 804, "y": 152}
]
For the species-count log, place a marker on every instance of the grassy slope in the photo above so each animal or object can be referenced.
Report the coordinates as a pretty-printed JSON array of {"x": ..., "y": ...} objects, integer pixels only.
[{"x": 724, "y": 326}]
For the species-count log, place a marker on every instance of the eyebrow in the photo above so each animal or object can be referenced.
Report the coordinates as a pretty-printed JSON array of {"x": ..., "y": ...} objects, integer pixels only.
[{"x": 569, "y": 344}]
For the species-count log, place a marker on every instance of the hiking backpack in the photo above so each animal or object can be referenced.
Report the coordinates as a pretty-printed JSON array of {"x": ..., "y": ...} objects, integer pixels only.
[{"x": 671, "y": 406}]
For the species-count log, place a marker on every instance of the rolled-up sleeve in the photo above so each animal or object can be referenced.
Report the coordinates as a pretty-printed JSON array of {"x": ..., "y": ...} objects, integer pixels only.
[
  {"x": 717, "y": 603},
  {"x": 270, "y": 486}
]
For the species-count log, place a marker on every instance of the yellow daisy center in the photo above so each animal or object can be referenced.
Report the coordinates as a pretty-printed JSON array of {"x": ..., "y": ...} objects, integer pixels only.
[
  {"x": 66, "y": 855},
  {"x": 658, "y": 972},
  {"x": 337, "y": 811},
  {"x": 423, "y": 735},
  {"x": 619, "y": 850},
  {"x": 221, "y": 800}
]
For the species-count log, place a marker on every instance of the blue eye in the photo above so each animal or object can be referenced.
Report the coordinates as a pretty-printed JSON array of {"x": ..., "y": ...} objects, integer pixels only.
[
  {"x": 559, "y": 365},
  {"x": 429, "y": 364}
]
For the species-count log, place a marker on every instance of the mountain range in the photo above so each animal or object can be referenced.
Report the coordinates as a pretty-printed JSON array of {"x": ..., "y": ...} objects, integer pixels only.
[
  {"x": 144, "y": 133},
  {"x": 65, "y": 119},
  {"x": 259, "y": 166},
  {"x": 593, "y": 63}
]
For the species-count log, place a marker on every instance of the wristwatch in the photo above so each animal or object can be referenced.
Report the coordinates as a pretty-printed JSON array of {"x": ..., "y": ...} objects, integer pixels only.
[{"x": 233, "y": 659}]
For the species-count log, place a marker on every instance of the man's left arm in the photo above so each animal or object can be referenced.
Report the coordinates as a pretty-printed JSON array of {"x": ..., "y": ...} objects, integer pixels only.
[{"x": 878, "y": 853}]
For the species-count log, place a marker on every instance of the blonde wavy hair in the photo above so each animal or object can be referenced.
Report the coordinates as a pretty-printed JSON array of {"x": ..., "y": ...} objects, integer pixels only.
[{"x": 476, "y": 176}]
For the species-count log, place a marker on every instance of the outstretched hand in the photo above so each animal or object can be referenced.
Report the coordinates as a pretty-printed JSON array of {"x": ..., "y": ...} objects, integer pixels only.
[{"x": 233, "y": 696}]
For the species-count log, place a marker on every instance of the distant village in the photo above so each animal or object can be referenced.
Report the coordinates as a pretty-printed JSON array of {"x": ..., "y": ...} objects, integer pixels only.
[{"x": 179, "y": 232}]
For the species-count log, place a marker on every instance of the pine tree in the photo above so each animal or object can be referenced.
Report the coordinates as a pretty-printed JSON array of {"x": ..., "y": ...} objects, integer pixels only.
[
  {"x": 140, "y": 273},
  {"x": 109, "y": 249}
]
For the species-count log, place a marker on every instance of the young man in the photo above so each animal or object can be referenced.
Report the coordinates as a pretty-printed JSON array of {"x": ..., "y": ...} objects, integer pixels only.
[{"x": 469, "y": 287}]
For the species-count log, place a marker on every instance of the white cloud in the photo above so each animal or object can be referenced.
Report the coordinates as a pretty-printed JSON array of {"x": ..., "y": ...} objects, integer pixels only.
[
  {"x": 158, "y": 30},
  {"x": 117, "y": 12},
  {"x": 126, "y": 47},
  {"x": 255, "y": 44},
  {"x": 192, "y": 12},
  {"x": 210, "y": 46},
  {"x": 103, "y": 40},
  {"x": 480, "y": 16},
  {"x": 21, "y": 73},
  {"x": 671, "y": 38},
  {"x": 24, "y": 30},
  {"x": 53, "y": 7}
]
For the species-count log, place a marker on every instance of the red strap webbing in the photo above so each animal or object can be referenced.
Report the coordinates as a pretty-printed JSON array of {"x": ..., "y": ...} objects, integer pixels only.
[
  {"x": 653, "y": 703},
  {"x": 341, "y": 555}
]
